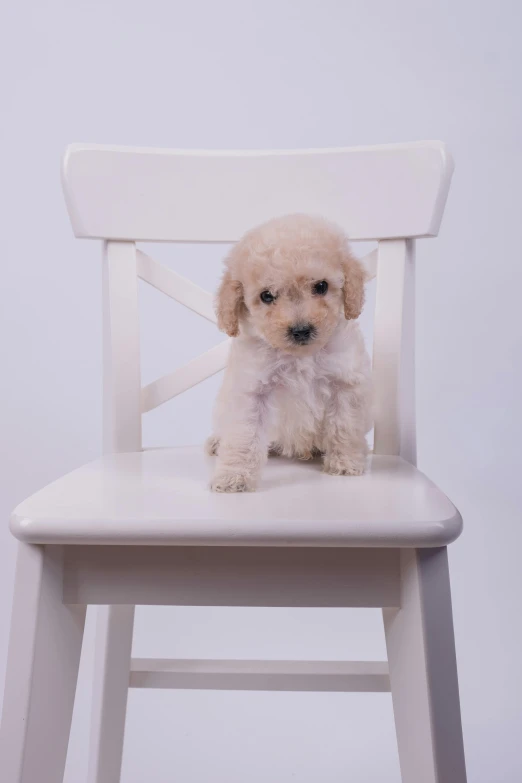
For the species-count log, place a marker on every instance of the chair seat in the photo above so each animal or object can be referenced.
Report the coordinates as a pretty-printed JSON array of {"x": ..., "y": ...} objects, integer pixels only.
[{"x": 161, "y": 497}]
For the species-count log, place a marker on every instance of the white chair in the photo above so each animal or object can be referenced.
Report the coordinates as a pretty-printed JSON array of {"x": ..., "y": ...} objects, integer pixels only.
[{"x": 142, "y": 528}]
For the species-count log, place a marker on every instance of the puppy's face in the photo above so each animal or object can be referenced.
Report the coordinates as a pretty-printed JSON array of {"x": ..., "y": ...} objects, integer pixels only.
[
  {"x": 289, "y": 282},
  {"x": 294, "y": 303}
]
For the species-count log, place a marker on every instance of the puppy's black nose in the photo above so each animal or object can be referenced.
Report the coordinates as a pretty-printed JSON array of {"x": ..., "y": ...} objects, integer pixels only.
[{"x": 301, "y": 333}]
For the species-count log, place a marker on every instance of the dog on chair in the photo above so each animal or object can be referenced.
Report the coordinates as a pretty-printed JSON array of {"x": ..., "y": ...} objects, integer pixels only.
[{"x": 298, "y": 381}]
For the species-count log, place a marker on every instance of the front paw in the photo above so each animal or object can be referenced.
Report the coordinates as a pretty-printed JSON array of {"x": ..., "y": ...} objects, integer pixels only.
[
  {"x": 232, "y": 482},
  {"x": 345, "y": 464}
]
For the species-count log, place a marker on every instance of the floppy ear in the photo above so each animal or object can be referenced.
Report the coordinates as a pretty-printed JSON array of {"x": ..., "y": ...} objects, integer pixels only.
[
  {"x": 353, "y": 288},
  {"x": 229, "y": 301}
]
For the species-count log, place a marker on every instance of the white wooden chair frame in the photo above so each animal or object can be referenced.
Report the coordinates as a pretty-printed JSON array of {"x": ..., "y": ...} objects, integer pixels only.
[{"x": 393, "y": 194}]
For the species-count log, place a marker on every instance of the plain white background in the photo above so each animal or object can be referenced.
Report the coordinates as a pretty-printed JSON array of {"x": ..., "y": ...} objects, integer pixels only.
[{"x": 285, "y": 75}]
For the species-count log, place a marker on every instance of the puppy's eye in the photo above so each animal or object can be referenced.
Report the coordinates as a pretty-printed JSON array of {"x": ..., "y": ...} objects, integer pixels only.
[
  {"x": 320, "y": 288},
  {"x": 267, "y": 297}
]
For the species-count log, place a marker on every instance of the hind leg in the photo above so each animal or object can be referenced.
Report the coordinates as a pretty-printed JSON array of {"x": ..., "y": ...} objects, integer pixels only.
[{"x": 212, "y": 445}]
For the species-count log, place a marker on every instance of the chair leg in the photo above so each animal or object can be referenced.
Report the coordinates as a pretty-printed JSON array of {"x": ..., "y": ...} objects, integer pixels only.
[
  {"x": 423, "y": 672},
  {"x": 111, "y": 685},
  {"x": 42, "y": 670}
]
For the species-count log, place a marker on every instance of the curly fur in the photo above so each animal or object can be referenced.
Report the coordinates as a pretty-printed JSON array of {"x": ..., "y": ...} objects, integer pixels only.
[{"x": 277, "y": 396}]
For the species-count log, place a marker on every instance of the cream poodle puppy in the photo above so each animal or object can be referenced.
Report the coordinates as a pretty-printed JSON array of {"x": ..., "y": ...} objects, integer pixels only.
[{"x": 298, "y": 382}]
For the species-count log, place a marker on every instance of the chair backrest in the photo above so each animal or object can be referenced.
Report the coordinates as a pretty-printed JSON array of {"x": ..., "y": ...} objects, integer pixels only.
[{"x": 391, "y": 193}]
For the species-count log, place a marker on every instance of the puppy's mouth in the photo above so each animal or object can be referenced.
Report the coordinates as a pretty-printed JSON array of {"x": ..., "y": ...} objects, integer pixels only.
[{"x": 301, "y": 334}]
